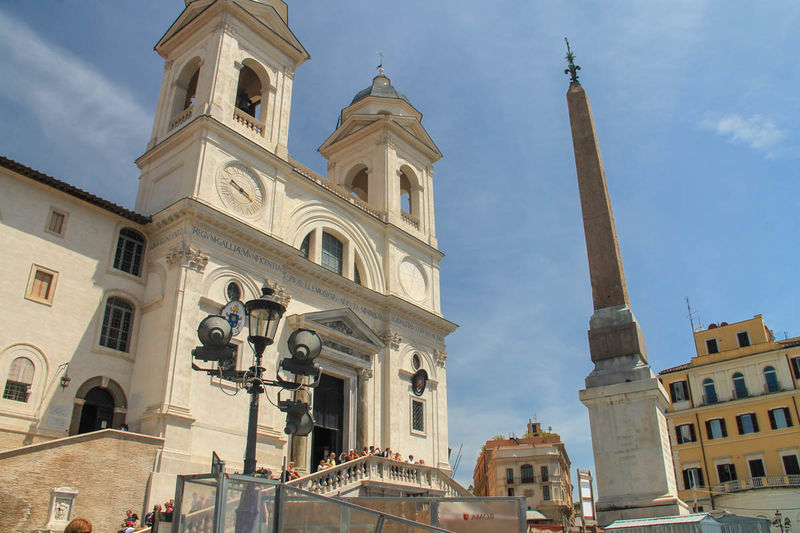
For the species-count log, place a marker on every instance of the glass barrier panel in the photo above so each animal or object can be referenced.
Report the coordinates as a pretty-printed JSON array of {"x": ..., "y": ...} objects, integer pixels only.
[
  {"x": 414, "y": 509},
  {"x": 197, "y": 511},
  {"x": 479, "y": 516},
  {"x": 247, "y": 507}
]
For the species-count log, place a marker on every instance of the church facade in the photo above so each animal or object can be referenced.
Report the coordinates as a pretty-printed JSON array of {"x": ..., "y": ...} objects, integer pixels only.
[{"x": 109, "y": 299}]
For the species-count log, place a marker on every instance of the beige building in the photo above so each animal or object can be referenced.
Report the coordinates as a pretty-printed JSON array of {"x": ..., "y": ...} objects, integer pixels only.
[
  {"x": 535, "y": 467},
  {"x": 734, "y": 422},
  {"x": 111, "y": 297}
]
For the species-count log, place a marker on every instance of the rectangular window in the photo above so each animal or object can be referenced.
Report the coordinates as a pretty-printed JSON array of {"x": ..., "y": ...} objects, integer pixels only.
[
  {"x": 796, "y": 367},
  {"x": 790, "y": 465},
  {"x": 679, "y": 391},
  {"x": 693, "y": 477},
  {"x": 743, "y": 338},
  {"x": 509, "y": 475},
  {"x": 545, "y": 475},
  {"x": 726, "y": 472},
  {"x": 56, "y": 223},
  {"x": 712, "y": 346},
  {"x": 546, "y": 492},
  {"x": 715, "y": 428},
  {"x": 41, "y": 285},
  {"x": 780, "y": 418},
  {"x": 747, "y": 423},
  {"x": 685, "y": 433},
  {"x": 332, "y": 253},
  {"x": 417, "y": 415},
  {"x": 510, "y": 491},
  {"x": 756, "y": 468}
]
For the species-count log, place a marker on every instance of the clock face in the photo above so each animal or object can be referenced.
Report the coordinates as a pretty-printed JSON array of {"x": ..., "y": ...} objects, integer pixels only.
[{"x": 240, "y": 190}]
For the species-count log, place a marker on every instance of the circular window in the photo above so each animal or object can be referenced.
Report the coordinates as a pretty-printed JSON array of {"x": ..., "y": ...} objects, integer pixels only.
[
  {"x": 233, "y": 291},
  {"x": 415, "y": 361}
]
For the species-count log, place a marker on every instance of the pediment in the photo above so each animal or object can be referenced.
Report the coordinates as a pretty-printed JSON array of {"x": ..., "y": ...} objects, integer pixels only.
[
  {"x": 343, "y": 333},
  {"x": 407, "y": 127},
  {"x": 263, "y": 16}
]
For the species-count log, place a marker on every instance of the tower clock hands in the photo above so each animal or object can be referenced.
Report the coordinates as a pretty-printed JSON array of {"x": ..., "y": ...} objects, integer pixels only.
[{"x": 241, "y": 190}]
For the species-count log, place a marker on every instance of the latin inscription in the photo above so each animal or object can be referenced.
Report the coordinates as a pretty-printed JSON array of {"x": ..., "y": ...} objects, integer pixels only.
[{"x": 289, "y": 277}]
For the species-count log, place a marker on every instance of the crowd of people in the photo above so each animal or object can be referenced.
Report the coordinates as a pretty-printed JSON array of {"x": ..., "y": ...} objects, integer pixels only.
[{"x": 352, "y": 455}]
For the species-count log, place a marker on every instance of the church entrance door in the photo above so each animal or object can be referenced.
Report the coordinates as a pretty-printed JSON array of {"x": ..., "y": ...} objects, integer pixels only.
[
  {"x": 98, "y": 411},
  {"x": 328, "y": 434}
]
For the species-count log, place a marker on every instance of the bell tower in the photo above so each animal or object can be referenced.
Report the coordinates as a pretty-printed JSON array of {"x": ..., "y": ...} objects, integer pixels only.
[
  {"x": 228, "y": 72},
  {"x": 383, "y": 157}
]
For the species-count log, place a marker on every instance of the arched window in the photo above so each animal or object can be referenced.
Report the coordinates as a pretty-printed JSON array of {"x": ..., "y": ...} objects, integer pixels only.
[
  {"x": 249, "y": 92},
  {"x": 406, "y": 202},
  {"x": 332, "y": 253},
  {"x": 526, "y": 471},
  {"x": 739, "y": 386},
  {"x": 18, "y": 383},
  {"x": 709, "y": 391},
  {"x": 130, "y": 252},
  {"x": 356, "y": 273},
  {"x": 357, "y": 182},
  {"x": 771, "y": 377},
  {"x": 186, "y": 87},
  {"x": 305, "y": 246},
  {"x": 117, "y": 324}
]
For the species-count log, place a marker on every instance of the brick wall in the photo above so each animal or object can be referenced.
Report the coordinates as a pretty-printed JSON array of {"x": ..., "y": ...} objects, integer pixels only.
[{"x": 110, "y": 470}]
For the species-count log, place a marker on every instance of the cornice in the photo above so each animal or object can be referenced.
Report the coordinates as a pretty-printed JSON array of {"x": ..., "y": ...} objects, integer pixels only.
[
  {"x": 188, "y": 210},
  {"x": 300, "y": 173}
]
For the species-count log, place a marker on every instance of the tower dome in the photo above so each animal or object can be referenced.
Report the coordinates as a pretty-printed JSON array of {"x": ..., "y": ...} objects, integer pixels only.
[{"x": 381, "y": 87}]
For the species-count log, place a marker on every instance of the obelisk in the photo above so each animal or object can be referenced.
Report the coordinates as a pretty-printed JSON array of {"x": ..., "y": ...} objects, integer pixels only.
[{"x": 633, "y": 465}]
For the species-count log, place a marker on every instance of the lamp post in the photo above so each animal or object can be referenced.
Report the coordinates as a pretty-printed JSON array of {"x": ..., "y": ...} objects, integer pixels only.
[
  {"x": 263, "y": 315},
  {"x": 784, "y": 523}
]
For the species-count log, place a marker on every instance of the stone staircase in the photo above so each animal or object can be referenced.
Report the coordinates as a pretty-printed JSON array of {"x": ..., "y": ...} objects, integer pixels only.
[{"x": 379, "y": 476}]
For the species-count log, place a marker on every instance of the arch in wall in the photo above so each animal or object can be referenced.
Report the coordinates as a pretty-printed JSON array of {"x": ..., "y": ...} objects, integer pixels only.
[
  {"x": 185, "y": 89},
  {"x": 410, "y": 190},
  {"x": 252, "y": 89},
  {"x": 357, "y": 181},
  {"x": 311, "y": 215},
  {"x": 100, "y": 403}
]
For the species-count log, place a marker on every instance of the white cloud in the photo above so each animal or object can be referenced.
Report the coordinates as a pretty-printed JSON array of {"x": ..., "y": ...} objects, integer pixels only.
[
  {"x": 758, "y": 132},
  {"x": 75, "y": 105}
]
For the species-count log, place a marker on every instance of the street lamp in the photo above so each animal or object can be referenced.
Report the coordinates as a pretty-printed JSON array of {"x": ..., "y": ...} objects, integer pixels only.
[
  {"x": 263, "y": 315},
  {"x": 784, "y": 523}
]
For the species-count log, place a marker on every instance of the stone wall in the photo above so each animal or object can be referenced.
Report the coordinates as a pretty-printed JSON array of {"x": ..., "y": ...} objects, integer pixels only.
[{"x": 109, "y": 469}]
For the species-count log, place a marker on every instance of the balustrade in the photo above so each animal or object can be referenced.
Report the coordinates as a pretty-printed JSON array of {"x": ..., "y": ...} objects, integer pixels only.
[
  {"x": 349, "y": 475},
  {"x": 249, "y": 122},
  {"x": 180, "y": 118},
  {"x": 737, "y": 485}
]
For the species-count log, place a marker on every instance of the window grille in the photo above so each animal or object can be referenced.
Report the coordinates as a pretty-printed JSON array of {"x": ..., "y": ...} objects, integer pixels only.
[
  {"x": 332, "y": 253},
  {"x": 117, "y": 324},
  {"x": 417, "y": 415},
  {"x": 20, "y": 377},
  {"x": 130, "y": 251}
]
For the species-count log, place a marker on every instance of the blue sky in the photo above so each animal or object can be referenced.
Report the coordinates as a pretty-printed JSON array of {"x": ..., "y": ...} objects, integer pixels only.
[{"x": 697, "y": 108}]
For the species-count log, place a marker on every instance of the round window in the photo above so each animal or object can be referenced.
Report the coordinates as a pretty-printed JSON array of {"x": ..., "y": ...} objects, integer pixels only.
[
  {"x": 415, "y": 361},
  {"x": 233, "y": 291}
]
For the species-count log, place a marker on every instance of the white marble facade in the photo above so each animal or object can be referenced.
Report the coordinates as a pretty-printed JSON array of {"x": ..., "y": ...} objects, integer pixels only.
[{"x": 226, "y": 205}]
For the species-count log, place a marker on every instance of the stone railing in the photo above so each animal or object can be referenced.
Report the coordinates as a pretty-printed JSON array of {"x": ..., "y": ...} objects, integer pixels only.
[
  {"x": 410, "y": 219},
  {"x": 338, "y": 191},
  {"x": 371, "y": 469},
  {"x": 249, "y": 122},
  {"x": 181, "y": 117},
  {"x": 766, "y": 482}
]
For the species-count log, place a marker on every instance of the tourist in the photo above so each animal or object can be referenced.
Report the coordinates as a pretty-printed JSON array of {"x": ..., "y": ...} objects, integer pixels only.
[
  {"x": 79, "y": 525},
  {"x": 332, "y": 459},
  {"x": 150, "y": 517},
  {"x": 292, "y": 471},
  {"x": 411, "y": 460}
]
